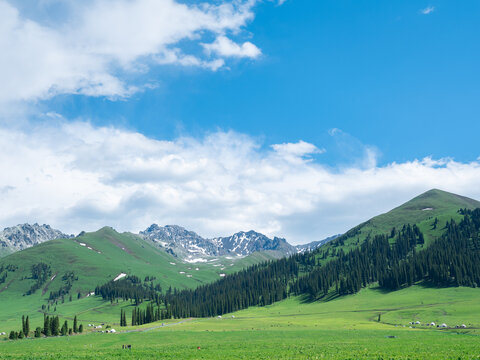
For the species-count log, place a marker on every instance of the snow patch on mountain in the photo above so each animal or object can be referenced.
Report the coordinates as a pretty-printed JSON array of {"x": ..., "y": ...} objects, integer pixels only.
[{"x": 191, "y": 247}]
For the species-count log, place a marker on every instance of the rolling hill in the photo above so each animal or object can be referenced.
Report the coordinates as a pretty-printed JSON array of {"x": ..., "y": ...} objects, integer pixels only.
[
  {"x": 77, "y": 265},
  {"x": 420, "y": 211}
]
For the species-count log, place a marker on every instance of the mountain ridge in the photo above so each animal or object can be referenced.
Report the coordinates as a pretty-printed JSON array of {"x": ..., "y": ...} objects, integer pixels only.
[
  {"x": 23, "y": 236},
  {"x": 187, "y": 244}
]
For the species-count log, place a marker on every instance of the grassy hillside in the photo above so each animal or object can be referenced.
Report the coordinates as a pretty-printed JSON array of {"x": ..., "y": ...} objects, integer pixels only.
[
  {"x": 421, "y": 211},
  {"x": 292, "y": 329},
  {"x": 96, "y": 258}
]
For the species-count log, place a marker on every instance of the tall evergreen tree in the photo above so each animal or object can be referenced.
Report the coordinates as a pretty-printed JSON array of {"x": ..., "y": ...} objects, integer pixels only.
[
  {"x": 64, "y": 330},
  {"x": 75, "y": 325},
  {"x": 27, "y": 327},
  {"x": 46, "y": 325},
  {"x": 55, "y": 326}
]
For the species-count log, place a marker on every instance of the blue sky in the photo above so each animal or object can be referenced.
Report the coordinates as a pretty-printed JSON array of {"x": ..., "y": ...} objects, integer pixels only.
[
  {"x": 295, "y": 118},
  {"x": 390, "y": 76}
]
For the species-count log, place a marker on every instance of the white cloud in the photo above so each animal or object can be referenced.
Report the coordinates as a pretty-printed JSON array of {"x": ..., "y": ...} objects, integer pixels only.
[
  {"x": 427, "y": 10},
  {"x": 223, "y": 46},
  {"x": 92, "y": 45},
  {"x": 296, "y": 152},
  {"x": 78, "y": 177}
]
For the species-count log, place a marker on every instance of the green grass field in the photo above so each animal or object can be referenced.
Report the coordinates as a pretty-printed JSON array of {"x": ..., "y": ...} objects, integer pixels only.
[{"x": 344, "y": 328}]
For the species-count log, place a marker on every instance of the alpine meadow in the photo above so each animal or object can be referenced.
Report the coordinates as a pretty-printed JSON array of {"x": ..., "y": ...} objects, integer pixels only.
[{"x": 239, "y": 179}]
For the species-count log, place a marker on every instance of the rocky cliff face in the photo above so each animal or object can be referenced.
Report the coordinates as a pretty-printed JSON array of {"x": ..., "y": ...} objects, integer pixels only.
[
  {"x": 179, "y": 241},
  {"x": 245, "y": 243},
  {"x": 189, "y": 245},
  {"x": 23, "y": 236}
]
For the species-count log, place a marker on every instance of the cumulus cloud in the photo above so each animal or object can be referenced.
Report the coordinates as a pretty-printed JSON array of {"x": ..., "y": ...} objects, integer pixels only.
[
  {"x": 90, "y": 46},
  {"x": 76, "y": 177},
  {"x": 428, "y": 10},
  {"x": 225, "y": 47}
]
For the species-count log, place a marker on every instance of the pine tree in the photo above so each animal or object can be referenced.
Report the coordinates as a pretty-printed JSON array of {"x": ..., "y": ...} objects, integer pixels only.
[
  {"x": 55, "y": 326},
  {"x": 134, "y": 317},
  {"x": 65, "y": 328},
  {"x": 75, "y": 325},
  {"x": 46, "y": 325},
  {"x": 80, "y": 328},
  {"x": 27, "y": 327}
]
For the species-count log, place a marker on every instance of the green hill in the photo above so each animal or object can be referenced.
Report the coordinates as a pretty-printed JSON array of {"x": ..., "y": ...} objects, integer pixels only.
[
  {"x": 421, "y": 211},
  {"x": 93, "y": 259},
  {"x": 431, "y": 204}
]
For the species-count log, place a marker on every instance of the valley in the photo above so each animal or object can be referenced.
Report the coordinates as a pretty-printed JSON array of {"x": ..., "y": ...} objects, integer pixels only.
[{"x": 291, "y": 329}]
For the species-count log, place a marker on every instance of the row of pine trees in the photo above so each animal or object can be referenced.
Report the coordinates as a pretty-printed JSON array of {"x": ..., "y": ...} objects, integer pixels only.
[{"x": 51, "y": 327}]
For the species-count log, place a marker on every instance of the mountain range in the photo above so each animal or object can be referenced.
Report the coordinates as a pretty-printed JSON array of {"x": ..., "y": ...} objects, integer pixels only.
[
  {"x": 175, "y": 240},
  {"x": 190, "y": 246}
]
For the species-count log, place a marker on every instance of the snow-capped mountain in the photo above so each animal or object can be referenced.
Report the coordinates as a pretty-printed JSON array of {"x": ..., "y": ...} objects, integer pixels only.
[
  {"x": 23, "y": 236},
  {"x": 244, "y": 243},
  {"x": 179, "y": 242},
  {"x": 190, "y": 246},
  {"x": 174, "y": 239}
]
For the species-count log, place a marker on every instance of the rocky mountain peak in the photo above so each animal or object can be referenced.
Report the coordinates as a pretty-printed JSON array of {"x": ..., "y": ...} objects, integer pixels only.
[
  {"x": 23, "y": 236},
  {"x": 190, "y": 246}
]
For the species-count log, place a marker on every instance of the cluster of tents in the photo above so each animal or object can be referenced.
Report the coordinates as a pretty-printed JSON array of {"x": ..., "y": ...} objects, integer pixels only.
[{"x": 443, "y": 325}]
